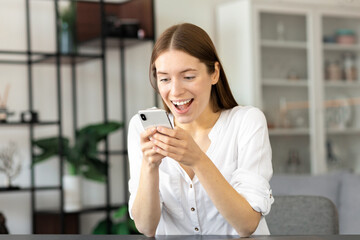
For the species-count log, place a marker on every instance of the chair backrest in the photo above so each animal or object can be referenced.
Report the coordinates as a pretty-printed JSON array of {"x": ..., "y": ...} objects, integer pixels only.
[{"x": 303, "y": 215}]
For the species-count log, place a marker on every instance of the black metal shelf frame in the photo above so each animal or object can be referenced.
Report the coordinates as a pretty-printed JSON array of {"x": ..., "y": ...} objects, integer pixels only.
[
  {"x": 29, "y": 58},
  {"x": 25, "y": 124},
  {"x": 26, "y": 189},
  {"x": 47, "y": 57}
]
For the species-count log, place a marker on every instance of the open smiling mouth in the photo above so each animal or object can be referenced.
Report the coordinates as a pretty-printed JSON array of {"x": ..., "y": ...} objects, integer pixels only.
[{"x": 182, "y": 105}]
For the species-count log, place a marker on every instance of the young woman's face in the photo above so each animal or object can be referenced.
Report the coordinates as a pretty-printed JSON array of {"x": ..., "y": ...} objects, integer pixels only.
[{"x": 184, "y": 84}]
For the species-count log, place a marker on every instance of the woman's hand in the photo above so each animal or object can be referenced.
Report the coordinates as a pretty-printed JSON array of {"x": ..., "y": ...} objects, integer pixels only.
[
  {"x": 147, "y": 147},
  {"x": 177, "y": 144}
]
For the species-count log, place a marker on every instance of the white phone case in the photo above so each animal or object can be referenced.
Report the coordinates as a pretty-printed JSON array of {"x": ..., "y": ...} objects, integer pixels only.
[{"x": 154, "y": 117}]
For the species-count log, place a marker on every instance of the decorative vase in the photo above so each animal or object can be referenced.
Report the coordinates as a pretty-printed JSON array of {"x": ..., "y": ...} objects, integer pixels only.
[
  {"x": 72, "y": 193},
  {"x": 67, "y": 14},
  {"x": 67, "y": 39}
]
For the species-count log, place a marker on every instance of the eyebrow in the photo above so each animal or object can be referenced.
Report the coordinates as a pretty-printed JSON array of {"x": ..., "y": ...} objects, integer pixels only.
[{"x": 186, "y": 70}]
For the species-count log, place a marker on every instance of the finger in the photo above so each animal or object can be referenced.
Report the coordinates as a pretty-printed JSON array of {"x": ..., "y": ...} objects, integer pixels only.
[
  {"x": 167, "y": 147},
  {"x": 153, "y": 157},
  {"x": 151, "y": 153},
  {"x": 166, "y": 153},
  {"x": 170, "y": 132},
  {"x": 166, "y": 139},
  {"x": 146, "y": 146},
  {"x": 145, "y": 135},
  {"x": 148, "y": 150}
]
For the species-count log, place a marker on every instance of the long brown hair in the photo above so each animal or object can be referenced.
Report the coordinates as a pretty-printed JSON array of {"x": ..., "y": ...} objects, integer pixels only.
[{"x": 193, "y": 40}]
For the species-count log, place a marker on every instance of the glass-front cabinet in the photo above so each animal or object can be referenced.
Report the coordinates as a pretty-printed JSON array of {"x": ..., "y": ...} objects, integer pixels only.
[
  {"x": 340, "y": 46},
  {"x": 298, "y": 61},
  {"x": 284, "y": 84}
]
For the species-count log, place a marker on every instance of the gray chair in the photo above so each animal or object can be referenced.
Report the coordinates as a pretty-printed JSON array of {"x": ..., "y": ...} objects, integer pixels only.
[{"x": 303, "y": 215}]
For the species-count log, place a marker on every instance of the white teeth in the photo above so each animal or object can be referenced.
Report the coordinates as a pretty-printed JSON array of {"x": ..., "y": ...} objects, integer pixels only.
[{"x": 181, "y": 102}]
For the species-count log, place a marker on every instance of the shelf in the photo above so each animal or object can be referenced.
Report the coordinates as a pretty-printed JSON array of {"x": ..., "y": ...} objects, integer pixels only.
[
  {"x": 341, "y": 83},
  {"x": 284, "y": 44},
  {"x": 21, "y": 57},
  {"x": 341, "y": 47},
  {"x": 346, "y": 131},
  {"x": 67, "y": 58},
  {"x": 115, "y": 152},
  {"x": 26, "y": 189},
  {"x": 88, "y": 209},
  {"x": 284, "y": 83},
  {"x": 115, "y": 42},
  {"x": 282, "y": 41},
  {"x": 45, "y": 123},
  {"x": 92, "y": 47},
  {"x": 289, "y": 132}
]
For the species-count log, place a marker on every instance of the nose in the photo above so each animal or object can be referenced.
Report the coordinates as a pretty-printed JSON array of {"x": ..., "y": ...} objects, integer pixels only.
[{"x": 177, "y": 87}]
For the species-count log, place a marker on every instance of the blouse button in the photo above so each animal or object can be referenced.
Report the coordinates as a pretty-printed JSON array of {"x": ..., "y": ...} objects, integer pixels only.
[
  {"x": 192, "y": 209},
  {"x": 196, "y": 229},
  {"x": 190, "y": 185}
]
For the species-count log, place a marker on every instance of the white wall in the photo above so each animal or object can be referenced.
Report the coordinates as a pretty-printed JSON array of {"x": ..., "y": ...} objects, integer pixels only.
[
  {"x": 16, "y": 206},
  {"x": 199, "y": 12}
]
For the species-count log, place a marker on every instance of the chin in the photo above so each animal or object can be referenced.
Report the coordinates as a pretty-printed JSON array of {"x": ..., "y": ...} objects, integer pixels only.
[{"x": 183, "y": 119}]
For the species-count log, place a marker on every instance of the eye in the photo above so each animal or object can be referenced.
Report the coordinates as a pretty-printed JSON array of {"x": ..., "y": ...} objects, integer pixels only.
[
  {"x": 189, "y": 77},
  {"x": 163, "y": 79}
]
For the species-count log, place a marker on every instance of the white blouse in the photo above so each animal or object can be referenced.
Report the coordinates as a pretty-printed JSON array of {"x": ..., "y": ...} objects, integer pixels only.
[{"x": 239, "y": 148}]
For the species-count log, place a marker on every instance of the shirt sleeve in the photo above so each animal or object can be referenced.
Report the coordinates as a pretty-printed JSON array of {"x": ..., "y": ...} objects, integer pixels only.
[
  {"x": 251, "y": 179},
  {"x": 135, "y": 158}
]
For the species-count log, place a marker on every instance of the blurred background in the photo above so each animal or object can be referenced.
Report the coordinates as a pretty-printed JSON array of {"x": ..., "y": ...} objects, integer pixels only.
[{"x": 77, "y": 71}]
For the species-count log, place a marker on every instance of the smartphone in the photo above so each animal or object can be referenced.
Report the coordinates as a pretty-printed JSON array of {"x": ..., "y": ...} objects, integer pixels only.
[{"x": 154, "y": 117}]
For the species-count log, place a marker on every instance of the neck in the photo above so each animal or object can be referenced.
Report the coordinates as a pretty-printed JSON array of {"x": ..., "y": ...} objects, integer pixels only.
[{"x": 203, "y": 123}]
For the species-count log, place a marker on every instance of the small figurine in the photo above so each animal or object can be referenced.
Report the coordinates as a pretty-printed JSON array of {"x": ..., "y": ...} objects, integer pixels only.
[
  {"x": 3, "y": 228},
  {"x": 10, "y": 164}
]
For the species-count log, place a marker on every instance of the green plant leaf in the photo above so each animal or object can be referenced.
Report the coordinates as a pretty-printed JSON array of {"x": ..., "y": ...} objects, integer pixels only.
[
  {"x": 120, "y": 228},
  {"x": 132, "y": 227},
  {"x": 68, "y": 15},
  {"x": 50, "y": 147},
  {"x": 72, "y": 170},
  {"x": 120, "y": 224},
  {"x": 92, "y": 173},
  {"x": 120, "y": 212},
  {"x": 101, "y": 227},
  {"x": 98, "y": 165},
  {"x": 44, "y": 156},
  {"x": 82, "y": 157},
  {"x": 99, "y": 131}
]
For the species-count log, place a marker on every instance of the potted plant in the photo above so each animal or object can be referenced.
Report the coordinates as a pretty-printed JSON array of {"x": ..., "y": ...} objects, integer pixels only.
[
  {"x": 119, "y": 224},
  {"x": 81, "y": 158}
]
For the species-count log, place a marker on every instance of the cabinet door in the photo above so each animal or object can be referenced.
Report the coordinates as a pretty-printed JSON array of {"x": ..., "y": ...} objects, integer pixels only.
[
  {"x": 285, "y": 77},
  {"x": 340, "y": 62}
]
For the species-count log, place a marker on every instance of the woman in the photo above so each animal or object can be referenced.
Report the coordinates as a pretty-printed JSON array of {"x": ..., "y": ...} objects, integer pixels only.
[{"x": 210, "y": 174}]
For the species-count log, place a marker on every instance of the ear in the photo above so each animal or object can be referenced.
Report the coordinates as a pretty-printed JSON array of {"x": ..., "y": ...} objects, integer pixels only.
[{"x": 216, "y": 74}]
